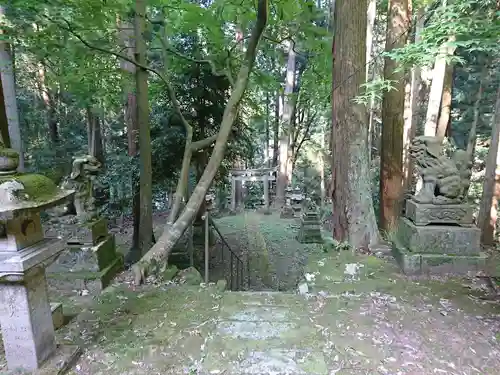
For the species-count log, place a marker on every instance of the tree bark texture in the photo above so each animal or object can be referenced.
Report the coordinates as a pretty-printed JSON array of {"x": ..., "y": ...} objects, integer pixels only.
[
  {"x": 159, "y": 253},
  {"x": 487, "y": 217},
  {"x": 4, "y": 123},
  {"x": 436, "y": 91},
  {"x": 284, "y": 171},
  {"x": 353, "y": 213},
  {"x": 276, "y": 129},
  {"x": 146, "y": 192},
  {"x": 127, "y": 38},
  {"x": 445, "y": 112},
  {"x": 414, "y": 118},
  {"x": 393, "y": 105},
  {"x": 9, "y": 94}
]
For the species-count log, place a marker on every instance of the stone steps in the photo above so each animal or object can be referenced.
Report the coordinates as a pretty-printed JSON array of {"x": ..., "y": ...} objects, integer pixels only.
[{"x": 264, "y": 333}]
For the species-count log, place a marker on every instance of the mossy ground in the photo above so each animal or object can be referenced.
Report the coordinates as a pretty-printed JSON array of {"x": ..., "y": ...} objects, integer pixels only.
[{"x": 377, "y": 322}]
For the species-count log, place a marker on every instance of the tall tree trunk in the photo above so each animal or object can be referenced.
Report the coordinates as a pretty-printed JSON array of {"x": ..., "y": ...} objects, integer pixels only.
[
  {"x": 444, "y": 115},
  {"x": 323, "y": 158},
  {"x": 487, "y": 217},
  {"x": 413, "y": 117},
  {"x": 127, "y": 37},
  {"x": 268, "y": 141},
  {"x": 4, "y": 123},
  {"x": 160, "y": 251},
  {"x": 146, "y": 192},
  {"x": 353, "y": 213},
  {"x": 284, "y": 148},
  {"x": 50, "y": 107},
  {"x": 9, "y": 94},
  {"x": 436, "y": 91},
  {"x": 471, "y": 142},
  {"x": 95, "y": 145},
  {"x": 370, "y": 34},
  {"x": 393, "y": 105},
  {"x": 276, "y": 128}
]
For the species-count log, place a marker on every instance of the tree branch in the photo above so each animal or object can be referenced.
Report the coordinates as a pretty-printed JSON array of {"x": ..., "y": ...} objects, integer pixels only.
[
  {"x": 307, "y": 134},
  {"x": 225, "y": 72},
  {"x": 204, "y": 143}
]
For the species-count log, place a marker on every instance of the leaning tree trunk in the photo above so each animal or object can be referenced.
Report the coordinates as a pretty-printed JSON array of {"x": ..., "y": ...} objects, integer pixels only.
[
  {"x": 353, "y": 213},
  {"x": 436, "y": 90},
  {"x": 446, "y": 99},
  {"x": 393, "y": 105},
  {"x": 487, "y": 217},
  {"x": 160, "y": 251}
]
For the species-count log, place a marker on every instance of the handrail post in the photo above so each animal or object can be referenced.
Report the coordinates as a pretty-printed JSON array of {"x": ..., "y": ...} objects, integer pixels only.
[
  {"x": 207, "y": 243},
  {"x": 231, "y": 272}
]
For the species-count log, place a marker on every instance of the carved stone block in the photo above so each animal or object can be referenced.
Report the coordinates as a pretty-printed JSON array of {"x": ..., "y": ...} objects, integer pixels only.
[
  {"x": 26, "y": 319},
  {"x": 21, "y": 233},
  {"x": 89, "y": 258},
  {"x": 438, "y": 239},
  {"x": 90, "y": 234},
  {"x": 287, "y": 212},
  {"x": 310, "y": 228},
  {"x": 425, "y": 214}
]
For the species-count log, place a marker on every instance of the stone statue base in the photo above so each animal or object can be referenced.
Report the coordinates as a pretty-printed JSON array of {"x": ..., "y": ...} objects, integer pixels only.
[
  {"x": 91, "y": 260},
  {"x": 437, "y": 249},
  {"x": 425, "y": 214},
  {"x": 287, "y": 212},
  {"x": 310, "y": 228}
]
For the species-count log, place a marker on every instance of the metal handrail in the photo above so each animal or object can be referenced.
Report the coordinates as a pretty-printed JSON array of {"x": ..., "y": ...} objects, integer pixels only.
[{"x": 235, "y": 259}]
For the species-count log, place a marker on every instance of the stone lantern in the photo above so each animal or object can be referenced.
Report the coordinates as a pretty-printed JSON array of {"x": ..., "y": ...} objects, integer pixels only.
[{"x": 25, "y": 313}]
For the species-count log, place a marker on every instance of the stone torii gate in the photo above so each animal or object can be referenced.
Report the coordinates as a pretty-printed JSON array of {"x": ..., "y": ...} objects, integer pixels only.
[{"x": 261, "y": 174}]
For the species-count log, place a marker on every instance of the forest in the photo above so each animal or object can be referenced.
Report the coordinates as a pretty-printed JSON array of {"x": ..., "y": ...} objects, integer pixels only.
[{"x": 170, "y": 96}]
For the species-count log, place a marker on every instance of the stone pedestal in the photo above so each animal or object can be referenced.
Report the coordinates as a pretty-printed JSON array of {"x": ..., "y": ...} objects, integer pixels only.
[
  {"x": 310, "y": 228},
  {"x": 425, "y": 214},
  {"x": 90, "y": 233},
  {"x": 25, "y": 313},
  {"x": 434, "y": 239},
  {"x": 26, "y": 319},
  {"x": 91, "y": 257},
  {"x": 287, "y": 212},
  {"x": 21, "y": 232}
]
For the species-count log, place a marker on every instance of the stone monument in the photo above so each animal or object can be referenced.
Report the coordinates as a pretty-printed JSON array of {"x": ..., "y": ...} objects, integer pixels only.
[
  {"x": 25, "y": 311},
  {"x": 92, "y": 256},
  {"x": 287, "y": 212},
  {"x": 436, "y": 234},
  {"x": 310, "y": 225}
]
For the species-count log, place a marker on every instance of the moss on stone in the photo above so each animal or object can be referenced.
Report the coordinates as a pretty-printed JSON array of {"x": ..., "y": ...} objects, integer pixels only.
[
  {"x": 10, "y": 153},
  {"x": 37, "y": 188}
]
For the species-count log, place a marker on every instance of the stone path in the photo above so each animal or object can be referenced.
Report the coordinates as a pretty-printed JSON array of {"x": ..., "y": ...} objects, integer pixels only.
[{"x": 264, "y": 333}]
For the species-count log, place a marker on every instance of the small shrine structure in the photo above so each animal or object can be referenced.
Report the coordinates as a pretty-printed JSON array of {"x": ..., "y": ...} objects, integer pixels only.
[
  {"x": 261, "y": 174},
  {"x": 25, "y": 312}
]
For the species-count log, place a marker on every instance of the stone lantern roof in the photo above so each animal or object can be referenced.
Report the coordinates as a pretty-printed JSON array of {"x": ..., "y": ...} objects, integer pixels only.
[{"x": 25, "y": 193}]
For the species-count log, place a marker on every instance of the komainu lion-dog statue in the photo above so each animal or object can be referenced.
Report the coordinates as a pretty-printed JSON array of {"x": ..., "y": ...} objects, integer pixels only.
[{"x": 445, "y": 180}]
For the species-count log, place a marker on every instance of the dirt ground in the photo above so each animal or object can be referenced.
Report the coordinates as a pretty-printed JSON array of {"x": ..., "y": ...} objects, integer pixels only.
[{"x": 359, "y": 315}]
